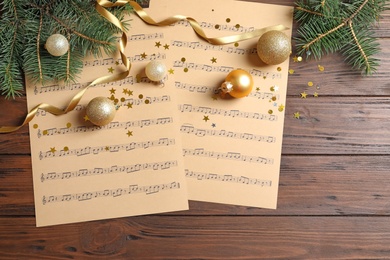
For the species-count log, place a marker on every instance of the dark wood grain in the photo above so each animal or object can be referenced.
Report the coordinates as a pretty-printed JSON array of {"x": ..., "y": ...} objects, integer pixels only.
[{"x": 334, "y": 192}]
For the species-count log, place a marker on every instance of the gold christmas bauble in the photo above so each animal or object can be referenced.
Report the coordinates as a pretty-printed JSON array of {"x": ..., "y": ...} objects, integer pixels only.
[
  {"x": 57, "y": 45},
  {"x": 155, "y": 70},
  {"x": 273, "y": 47},
  {"x": 238, "y": 83},
  {"x": 100, "y": 111}
]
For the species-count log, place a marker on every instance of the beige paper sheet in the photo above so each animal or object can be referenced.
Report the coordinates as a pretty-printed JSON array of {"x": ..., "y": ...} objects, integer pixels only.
[
  {"x": 133, "y": 166},
  {"x": 232, "y": 148}
]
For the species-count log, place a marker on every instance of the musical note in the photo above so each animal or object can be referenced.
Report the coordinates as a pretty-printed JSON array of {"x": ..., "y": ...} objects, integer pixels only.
[
  {"x": 141, "y": 37},
  {"x": 209, "y": 47},
  {"x": 190, "y": 129},
  {"x": 154, "y": 166},
  {"x": 109, "y": 148},
  {"x": 227, "y": 156},
  {"x": 116, "y": 192},
  {"x": 200, "y": 176},
  {"x": 228, "y": 113}
]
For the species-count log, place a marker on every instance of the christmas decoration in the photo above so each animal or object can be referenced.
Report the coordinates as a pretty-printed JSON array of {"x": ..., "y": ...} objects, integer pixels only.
[
  {"x": 273, "y": 47},
  {"x": 57, "y": 45},
  {"x": 344, "y": 26},
  {"x": 100, "y": 111},
  {"x": 25, "y": 27},
  {"x": 238, "y": 84},
  {"x": 155, "y": 70}
]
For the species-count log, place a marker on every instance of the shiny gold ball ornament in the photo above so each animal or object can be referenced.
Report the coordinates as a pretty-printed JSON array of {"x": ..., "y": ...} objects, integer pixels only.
[
  {"x": 273, "y": 47},
  {"x": 238, "y": 83},
  {"x": 100, "y": 111},
  {"x": 57, "y": 44}
]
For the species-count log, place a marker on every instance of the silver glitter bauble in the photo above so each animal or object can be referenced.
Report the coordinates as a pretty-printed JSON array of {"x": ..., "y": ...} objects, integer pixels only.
[{"x": 57, "y": 45}]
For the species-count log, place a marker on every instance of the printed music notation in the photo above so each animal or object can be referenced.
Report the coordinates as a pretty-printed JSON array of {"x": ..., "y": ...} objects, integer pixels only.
[
  {"x": 143, "y": 36},
  {"x": 133, "y": 59},
  {"x": 207, "y": 89},
  {"x": 224, "y": 112},
  {"x": 225, "y": 69},
  {"x": 109, "y": 170},
  {"x": 203, "y": 46},
  {"x": 227, "y": 156},
  {"x": 147, "y": 101},
  {"x": 109, "y": 148},
  {"x": 200, "y": 176},
  {"x": 131, "y": 189},
  {"x": 113, "y": 125},
  {"x": 219, "y": 27},
  {"x": 189, "y": 129}
]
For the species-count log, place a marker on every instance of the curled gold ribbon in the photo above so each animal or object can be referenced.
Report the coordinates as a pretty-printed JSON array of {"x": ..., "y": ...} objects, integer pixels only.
[{"x": 101, "y": 6}]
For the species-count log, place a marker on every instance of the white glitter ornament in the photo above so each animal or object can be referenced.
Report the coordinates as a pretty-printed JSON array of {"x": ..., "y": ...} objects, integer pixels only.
[
  {"x": 155, "y": 70},
  {"x": 57, "y": 45}
]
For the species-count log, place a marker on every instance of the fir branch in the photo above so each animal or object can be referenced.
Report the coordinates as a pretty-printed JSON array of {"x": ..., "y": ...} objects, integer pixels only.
[
  {"x": 38, "y": 44},
  {"x": 368, "y": 67}
]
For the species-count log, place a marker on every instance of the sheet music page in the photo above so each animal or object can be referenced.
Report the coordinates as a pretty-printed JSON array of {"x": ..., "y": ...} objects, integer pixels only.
[
  {"x": 132, "y": 166},
  {"x": 232, "y": 148}
]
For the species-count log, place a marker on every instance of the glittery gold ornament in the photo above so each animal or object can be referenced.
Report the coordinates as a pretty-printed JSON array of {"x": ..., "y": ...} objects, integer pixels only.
[
  {"x": 100, "y": 111},
  {"x": 238, "y": 84},
  {"x": 273, "y": 47},
  {"x": 57, "y": 45},
  {"x": 155, "y": 70}
]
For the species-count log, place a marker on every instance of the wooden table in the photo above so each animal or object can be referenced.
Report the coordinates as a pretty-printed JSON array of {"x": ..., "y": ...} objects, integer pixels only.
[{"x": 334, "y": 197}]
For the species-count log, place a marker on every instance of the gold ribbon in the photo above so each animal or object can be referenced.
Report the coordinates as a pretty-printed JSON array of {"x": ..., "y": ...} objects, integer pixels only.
[{"x": 101, "y": 6}]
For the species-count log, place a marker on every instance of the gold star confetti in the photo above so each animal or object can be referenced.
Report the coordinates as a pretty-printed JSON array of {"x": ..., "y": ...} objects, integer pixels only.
[
  {"x": 143, "y": 55},
  {"x": 321, "y": 68},
  {"x": 185, "y": 69},
  {"x": 129, "y": 133},
  {"x": 158, "y": 44},
  {"x": 129, "y": 105},
  {"x": 295, "y": 59},
  {"x": 112, "y": 91},
  {"x": 310, "y": 84},
  {"x": 35, "y": 126},
  {"x": 166, "y": 47},
  {"x": 206, "y": 118},
  {"x": 125, "y": 91},
  {"x": 303, "y": 94},
  {"x": 66, "y": 148},
  {"x": 130, "y": 93},
  {"x": 264, "y": 77},
  {"x": 257, "y": 89},
  {"x": 281, "y": 108},
  {"x": 215, "y": 97},
  {"x": 297, "y": 115},
  {"x": 111, "y": 70},
  {"x": 315, "y": 94},
  {"x": 86, "y": 118},
  {"x": 279, "y": 69},
  {"x": 53, "y": 149},
  {"x": 213, "y": 60},
  {"x": 171, "y": 71},
  {"x": 291, "y": 71},
  {"x": 68, "y": 125},
  {"x": 107, "y": 148},
  {"x": 117, "y": 63}
]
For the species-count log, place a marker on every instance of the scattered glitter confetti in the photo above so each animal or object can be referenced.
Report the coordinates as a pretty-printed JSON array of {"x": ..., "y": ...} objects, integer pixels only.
[
  {"x": 213, "y": 125},
  {"x": 112, "y": 91},
  {"x": 112, "y": 97},
  {"x": 272, "y": 88},
  {"x": 117, "y": 63},
  {"x": 140, "y": 96},
  {"x": 68, "y": 125},
  {"x": 270, "y": 112},
  {"x": 86, "y": 118},
  {"x": 273, "y": 98},
  {"x": 147, "y": 101},
  {"x": 318, "y": 87},
  {"x": 276, "y": 88},
  {"x": 238, "y": 26},
  {"x": 299, "y": 58},
  {"x": 107, "y": 148},
  {"x": 116, "y": 101},
  {"x": 310, "y": 84},
  {"x": 216, "y": 26},
  {"x": 279, "y": 69},
  {"x": 183, "y": 59},
  {"x": 297, "y": 115},
  {"x": 44, "y": 132},
  {"x": 291, "y": 71},
  {"x": 171, "y": 71},
  {"x": 213, "y": 60},
  {"x": 215, "y": 97},
  {"x": 129, "y": 105},
  {"x": 158, "y": 44},
  {"x": 66, "y": 148},
  {"x": 53, "y": 149},
  {"x": 281, "y": 108},
  {"x": 130, "y": 92},
  {"x": 143, "y": 55},
  {"x": 315, "y": 94},
  {"x": 35, "y": 126},
  {"x": 303, "y": 94},
  {"x": 257, "y": 89},
  {"x": 111, "y": 70},
  {"x": 321, "y": 68},
  {"x": 295, "y": 59},
  {"x": 228, "y": 20},
  {"x": 166, "y": 46},
  {"x": 264, "y": 77},
  {"x": 129, "y": 133},
  {"x": 125, "y": 91},
  {"x": 236, "y": 44},
  {"x": 206, "y": 118},
  {"x": 185, "y": 69},
  {"x": 123, "y": 99},
  {"x": 138, "y": 78}
]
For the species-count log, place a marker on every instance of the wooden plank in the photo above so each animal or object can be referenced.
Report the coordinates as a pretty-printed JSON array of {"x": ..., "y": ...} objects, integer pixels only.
[
  {"x": 214, "y": 237},
  {"x": 309, "y": 185}
]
